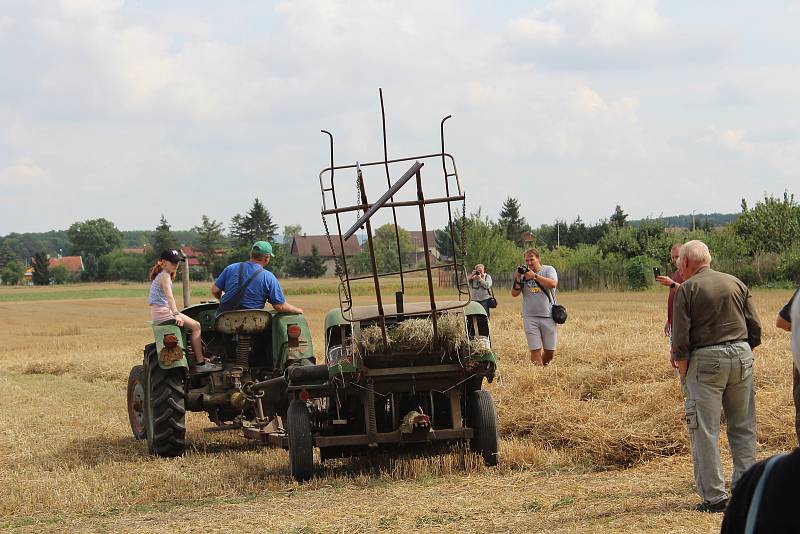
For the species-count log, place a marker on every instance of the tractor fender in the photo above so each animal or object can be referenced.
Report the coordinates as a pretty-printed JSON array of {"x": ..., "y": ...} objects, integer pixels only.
[{"x": 170, "y": 347}]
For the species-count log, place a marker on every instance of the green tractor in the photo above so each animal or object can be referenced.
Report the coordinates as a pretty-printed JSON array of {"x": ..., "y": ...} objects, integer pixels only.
[{"x": 255, "y": 349}]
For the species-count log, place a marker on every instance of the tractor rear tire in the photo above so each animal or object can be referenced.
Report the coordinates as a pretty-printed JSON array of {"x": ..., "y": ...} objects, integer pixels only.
[
  {"x": 136, "y": 411},
  {"x": 301, "y": 446},
  {"x": 483, "y": 421},
  {"x": 165, "y": 409}
]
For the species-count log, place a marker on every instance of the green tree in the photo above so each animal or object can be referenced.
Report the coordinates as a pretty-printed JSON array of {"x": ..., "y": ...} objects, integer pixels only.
[
  {"x": 95, "y": 236},
  {"x": 130, "y": 267},
  {"x": 314, "y": 265},
  {"x": 360, "y": 263},
  {"x": 487, "y": 244},
  {"x": 290, "y": 231},
  {"x": 620, "y": 240},
  {"x": 770, "y": 226},
  {"x": 90, "y": 268},
  {"x": 162, "y": 239},
  {"x": 512, "y": 224},
  {"x": 210, "y": 240},
  {"x": 41, "y": 269},
  {"x": 385, "y": 243},
  {"x": 6, "y": 254},
  {"x": 12, "y": 273},
  {"x": 60, "y": 275},
  {"x": 256, "y": 225},
  {"x": 619, "y": 218},
  {"x": 639, "y": 272},
  {"x": 444, "y": 243}
]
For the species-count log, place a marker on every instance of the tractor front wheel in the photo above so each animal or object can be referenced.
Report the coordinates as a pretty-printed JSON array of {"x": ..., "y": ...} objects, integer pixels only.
[
  {"x": 165, "y": 409},
  {"x": 483, "y": 420},
  {"x": 136, "y": 401},
  {"x": 301, "y": 446}
]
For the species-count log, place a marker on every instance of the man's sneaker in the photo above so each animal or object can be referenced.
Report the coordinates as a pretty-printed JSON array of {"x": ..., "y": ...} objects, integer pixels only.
[
  {"x": 207, "y": 367},
  {"x": 709, "y": 508}
]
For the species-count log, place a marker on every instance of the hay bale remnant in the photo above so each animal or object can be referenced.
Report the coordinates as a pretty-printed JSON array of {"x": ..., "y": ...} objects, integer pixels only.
[{"x": 416, "y": 335}]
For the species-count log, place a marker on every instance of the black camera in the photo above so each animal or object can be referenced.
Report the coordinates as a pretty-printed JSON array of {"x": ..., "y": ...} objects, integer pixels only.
[{"x": 522, "y": 269}]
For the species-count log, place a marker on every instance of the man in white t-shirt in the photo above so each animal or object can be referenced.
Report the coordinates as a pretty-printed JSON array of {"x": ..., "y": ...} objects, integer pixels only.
[{"x": 537, "y": 285}]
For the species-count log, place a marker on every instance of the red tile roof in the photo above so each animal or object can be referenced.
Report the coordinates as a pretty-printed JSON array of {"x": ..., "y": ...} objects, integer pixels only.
[
  {"x": 192, "y": 254},
  {"x": 74, "y": 264}
]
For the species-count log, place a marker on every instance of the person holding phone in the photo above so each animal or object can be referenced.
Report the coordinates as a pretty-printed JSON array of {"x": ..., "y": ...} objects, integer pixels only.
[{"x": 673, "y": 283}]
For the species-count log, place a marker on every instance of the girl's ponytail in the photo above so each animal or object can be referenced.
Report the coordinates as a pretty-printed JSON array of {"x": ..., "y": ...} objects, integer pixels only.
[{"x": 155, "y": 269}]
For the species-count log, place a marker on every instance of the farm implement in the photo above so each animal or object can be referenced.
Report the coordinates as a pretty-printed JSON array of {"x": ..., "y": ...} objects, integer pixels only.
[{"x": 402, "y": 373}]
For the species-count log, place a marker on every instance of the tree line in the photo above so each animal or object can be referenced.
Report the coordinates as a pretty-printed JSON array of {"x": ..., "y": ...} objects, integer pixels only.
[
  {"x": 761, "y": 246},
  {"x": 100, "y": 244}
]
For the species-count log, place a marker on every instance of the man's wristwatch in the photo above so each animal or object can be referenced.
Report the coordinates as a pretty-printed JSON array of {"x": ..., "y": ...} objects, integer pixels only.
[{"x": 673, "y": 285}]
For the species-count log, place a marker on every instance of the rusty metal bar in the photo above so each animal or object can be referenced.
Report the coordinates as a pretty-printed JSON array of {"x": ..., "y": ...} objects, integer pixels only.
[
  {"x": 395, "y": 273},
  {"x": 338, "y": 222},
  {"x": 421, "y": 198},
  {"x": 373, "y": 263},
  {"x": 397, "y": 160},
  {"x": 402, "y": 203},
  {"x": 389, "y": 183},
  {"x": 381, "y": 201},
  {"x": 447, "y": 192}
]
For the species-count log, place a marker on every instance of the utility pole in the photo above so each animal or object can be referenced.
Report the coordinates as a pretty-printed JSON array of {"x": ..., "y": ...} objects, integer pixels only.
[
  {"x": 693, "y": 220},
  {"x": 558, "y": 234}
]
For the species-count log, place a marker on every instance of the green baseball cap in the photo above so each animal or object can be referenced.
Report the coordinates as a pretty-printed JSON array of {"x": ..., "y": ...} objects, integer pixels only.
[{"x": 262, "y": 247}]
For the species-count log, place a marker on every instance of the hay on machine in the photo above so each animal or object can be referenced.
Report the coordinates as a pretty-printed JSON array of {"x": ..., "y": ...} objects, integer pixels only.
[{"x": 417, "y": 335}]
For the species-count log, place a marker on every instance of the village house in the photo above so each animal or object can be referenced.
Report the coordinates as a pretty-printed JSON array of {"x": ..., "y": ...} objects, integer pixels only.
[
  {"x": 418, "y": 252},
  {"x": 74, "y": 264},
  {"x": 302, "y": 246}
]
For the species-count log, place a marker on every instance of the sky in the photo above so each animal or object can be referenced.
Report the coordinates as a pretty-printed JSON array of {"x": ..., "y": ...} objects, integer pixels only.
[{"x": 128, "y": 110}]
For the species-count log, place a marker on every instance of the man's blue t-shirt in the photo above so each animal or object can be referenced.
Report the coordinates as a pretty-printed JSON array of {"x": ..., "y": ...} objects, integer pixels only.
[{"x": 264, "y": 287}]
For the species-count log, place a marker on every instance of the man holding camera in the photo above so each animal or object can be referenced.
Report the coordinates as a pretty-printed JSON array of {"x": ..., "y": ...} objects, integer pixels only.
[
  {"x": 536, "y": 282},
  {"x": 480, "y": 286}
]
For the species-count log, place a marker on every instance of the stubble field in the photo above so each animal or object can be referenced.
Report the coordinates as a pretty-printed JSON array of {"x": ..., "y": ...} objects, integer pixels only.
[{"x": 594, "y": 442}]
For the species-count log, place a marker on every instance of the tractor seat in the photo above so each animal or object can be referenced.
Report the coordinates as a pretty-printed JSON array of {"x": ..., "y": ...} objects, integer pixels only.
[{"x": 242, "y": 321}]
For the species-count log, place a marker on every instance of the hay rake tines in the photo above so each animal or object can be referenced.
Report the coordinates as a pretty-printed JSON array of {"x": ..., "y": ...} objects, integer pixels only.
[{"x": 332, "y": 207}]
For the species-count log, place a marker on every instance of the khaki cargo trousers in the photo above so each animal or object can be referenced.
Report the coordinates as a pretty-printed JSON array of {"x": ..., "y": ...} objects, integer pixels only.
[{"x": 720, "y": 377}]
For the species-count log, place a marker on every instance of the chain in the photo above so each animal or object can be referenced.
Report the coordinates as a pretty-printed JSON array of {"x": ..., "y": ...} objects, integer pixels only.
[
  {"x": 463, "y": 229},
  {"x": 338, "y": 266}
]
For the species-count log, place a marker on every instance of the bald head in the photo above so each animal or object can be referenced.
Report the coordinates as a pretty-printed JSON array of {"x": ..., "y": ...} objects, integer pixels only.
[{"x": 694, "y": 255}]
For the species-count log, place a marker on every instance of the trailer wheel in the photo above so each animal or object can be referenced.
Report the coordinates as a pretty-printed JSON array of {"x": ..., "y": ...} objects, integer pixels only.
[
  {"x": 165, "y": 409},
  {"x": 136, "y": 401},
  {"x": 301, "y": 447},
  {"x": 483, "y": 420}
]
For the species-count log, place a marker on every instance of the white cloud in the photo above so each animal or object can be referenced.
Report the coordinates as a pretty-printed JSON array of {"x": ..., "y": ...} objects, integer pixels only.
[
  {"x": 113, "y": 99},
  {"x": 531, "y": 29},
  {"x": 607, "y": 24},
  {"x": 23, "y": 176}
]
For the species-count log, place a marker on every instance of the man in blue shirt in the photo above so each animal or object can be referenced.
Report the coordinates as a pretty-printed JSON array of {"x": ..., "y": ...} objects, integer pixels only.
[{"x": 249, "y": 286}]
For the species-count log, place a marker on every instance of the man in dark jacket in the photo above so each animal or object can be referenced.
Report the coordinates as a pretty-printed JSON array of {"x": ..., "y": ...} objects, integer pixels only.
[
  {"x": 715, "y": 327},
  {"x": 776, "y": 510}
]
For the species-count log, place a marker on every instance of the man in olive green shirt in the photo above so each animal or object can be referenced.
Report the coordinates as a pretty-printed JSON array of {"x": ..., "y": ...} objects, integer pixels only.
[{"x": 714, "y": 329}]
